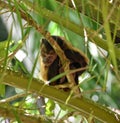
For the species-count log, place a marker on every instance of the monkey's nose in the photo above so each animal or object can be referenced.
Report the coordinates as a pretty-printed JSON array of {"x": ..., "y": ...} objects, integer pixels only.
[{"x": 47, "y": 60}]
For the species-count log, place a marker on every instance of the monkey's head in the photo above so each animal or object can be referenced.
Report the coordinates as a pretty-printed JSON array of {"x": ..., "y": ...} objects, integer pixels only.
[{"x": 48, "y": 54}]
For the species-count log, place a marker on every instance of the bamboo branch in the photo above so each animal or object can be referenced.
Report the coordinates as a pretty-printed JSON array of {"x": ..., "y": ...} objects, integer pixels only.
[{"x": 83, "y": 105}]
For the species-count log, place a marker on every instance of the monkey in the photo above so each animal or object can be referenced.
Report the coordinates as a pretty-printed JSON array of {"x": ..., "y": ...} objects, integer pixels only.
[{"x": 50, "y": 64}]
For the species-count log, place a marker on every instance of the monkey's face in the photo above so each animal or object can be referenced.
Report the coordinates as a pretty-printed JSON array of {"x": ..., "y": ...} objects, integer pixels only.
[{"x": 48, "y": 55}]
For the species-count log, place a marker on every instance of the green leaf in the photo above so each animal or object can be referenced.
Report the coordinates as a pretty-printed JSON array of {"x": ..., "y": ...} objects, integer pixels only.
[
  {"x": 2, "y": 90},
  {"x": 50, "y": 107},
  {"x": 3, "y": 46}
]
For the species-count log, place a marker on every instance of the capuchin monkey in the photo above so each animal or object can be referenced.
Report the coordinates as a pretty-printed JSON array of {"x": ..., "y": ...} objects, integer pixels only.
[{"x": 50, "y": 64}]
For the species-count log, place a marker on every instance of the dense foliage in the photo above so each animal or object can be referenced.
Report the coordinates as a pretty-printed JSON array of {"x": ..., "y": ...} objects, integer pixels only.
[{"x": 90, "y": 26}]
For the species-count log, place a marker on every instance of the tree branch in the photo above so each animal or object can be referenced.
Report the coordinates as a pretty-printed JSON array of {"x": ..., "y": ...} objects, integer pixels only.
[{"x": 85, "y": 106}]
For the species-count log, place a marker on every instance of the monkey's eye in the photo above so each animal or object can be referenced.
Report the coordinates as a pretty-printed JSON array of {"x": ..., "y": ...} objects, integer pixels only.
[{"x": 47, "y": 54}]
